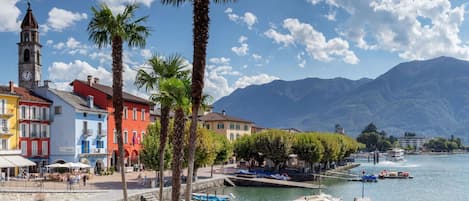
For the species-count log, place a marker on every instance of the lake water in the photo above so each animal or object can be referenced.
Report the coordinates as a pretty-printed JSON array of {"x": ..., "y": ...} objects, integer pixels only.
[{"x": 436, "y": 177}]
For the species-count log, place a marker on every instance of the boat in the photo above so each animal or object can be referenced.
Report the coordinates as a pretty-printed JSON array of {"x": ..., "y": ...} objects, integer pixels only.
[
  {"x": 394, "y": 175},
  {"x": 211, "y": 197},
  {"x": 395, "y": 154},
  {"x": 319, "y": 197},
  {"x": 283, "y": 176},
  {"x": 245, "y": 174}
]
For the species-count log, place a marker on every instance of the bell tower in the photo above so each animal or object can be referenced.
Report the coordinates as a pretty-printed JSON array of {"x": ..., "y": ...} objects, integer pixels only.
[{"x": 29, "y": 52}]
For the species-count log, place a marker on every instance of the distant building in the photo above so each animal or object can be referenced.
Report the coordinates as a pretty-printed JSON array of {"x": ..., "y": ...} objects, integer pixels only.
[
  {"x": 291, "y": 130},
  {"x": 229, "y": 126},
  {"x": 257, "y": 129},
  {"x": 414, "y": 141}
]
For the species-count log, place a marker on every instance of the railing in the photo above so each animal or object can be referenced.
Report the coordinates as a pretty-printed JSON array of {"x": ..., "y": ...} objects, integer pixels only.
[
  {"x": 99, "y": 151},
  {"x": 103, "y": 133},
  {"x": 5, "y": 131},
  {"x": 87, "y": 132}
]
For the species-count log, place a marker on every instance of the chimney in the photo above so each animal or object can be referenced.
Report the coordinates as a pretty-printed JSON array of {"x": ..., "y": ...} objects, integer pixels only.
[
  {"x": 46, "y": 83},
  {"x": 12, "y": 87},
  {"x": 90, "y": 101},
  {"x": 96, "y": 80},
  {"x": 90, "y": 77},
  {"x": 223, "y": 113}
]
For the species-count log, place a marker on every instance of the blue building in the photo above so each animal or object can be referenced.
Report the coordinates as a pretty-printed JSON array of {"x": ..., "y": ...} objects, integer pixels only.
[{"x": 78, "y": 131}]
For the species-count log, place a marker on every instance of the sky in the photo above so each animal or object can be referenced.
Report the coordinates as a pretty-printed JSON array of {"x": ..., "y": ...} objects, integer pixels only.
[{"x": 250, "y": 42}]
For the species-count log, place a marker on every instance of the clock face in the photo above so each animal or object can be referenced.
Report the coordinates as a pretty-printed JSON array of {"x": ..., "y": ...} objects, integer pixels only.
[{"x": 27, "y": 75}]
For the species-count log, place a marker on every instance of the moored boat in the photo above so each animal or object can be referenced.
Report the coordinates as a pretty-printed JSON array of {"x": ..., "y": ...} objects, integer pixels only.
[
  {"x": 211, "y": 197},
  {"x": 395, "y": 154},
  {"x": 319, "y": 197},
  {"x": 394, "y": 175}
]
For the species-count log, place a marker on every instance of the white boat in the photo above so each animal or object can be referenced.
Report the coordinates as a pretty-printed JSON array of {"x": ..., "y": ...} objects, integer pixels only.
[
  {"x": 320, "y": 197},
  {"x": 395, "y": 154}
]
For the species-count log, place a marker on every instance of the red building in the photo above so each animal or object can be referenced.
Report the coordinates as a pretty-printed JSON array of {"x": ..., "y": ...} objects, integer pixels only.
[
  {"x": 135, "y": 119},
  {"x": 34, "y": 127}
]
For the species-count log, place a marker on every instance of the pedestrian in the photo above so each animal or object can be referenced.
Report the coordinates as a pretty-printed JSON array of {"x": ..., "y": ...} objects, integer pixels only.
[{"x": 84, "y": 180}]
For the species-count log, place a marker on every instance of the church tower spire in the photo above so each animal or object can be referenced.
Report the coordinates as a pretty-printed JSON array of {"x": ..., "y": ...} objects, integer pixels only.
[{"x": 29, "y": 52}]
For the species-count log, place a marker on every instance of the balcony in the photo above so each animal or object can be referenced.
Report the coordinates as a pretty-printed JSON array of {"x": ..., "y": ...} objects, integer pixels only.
[
  {"x": 4, "y": 131},
  {"x": 103, "y": 133},
  {"x": 98, "y": 151},
  {"x": 87, "y": 132},
  {"x": 7, "y": 113}
]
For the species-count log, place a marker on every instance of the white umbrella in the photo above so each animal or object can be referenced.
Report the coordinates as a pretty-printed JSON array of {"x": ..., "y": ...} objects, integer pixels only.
[
  {"x": 76, "y": 165},
  {"x": 56, "y": 165}
]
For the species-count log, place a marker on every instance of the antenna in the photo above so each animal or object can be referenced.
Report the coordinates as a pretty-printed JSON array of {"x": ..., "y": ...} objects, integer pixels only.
[{"x": 29, "y": 4}]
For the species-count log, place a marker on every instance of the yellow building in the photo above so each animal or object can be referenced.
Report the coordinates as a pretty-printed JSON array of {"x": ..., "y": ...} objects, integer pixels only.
[
  {"x": 229, "y": 126},
  {"x": 8, "y": 118}
]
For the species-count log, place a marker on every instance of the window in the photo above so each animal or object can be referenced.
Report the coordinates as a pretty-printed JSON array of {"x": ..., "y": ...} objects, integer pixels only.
[
  {"x": 246, "y": 127},
  {"x": 4, "y": 125},
  {"x": 3, "y": 106},
  {"x": 238, "y": 127},
  {"x": 34, "y": 130},
  {"x": 23, "y": 112},
  {"x": 24, "y": 148},
  {"x": 85, "y": 114},
  {"x": 34, "y": 113},
  {"x": 125, "y": 112},
  {"x": 85, "y": 128},
  {"x": 221, "y": 126},
  {"x": 24, "y": 130},
  {"x": 45, "y": 131},
  {"x": 45, "y": 148},
  {"x": 232, "y": 126},
  {"x": 143, "y": 115},
  {"x": 34, "y": 148},
  {"x": 231, "y": 136},
  {"x": 26, "y": 55},
  {"x": 134, "y": 114},
  {"x": 38, "y": 57},
  {"x": 58, "y": 110},
  {"x": 3, "y": 144},
  {"x": 26, "y": 36},
  {"x": 114, "y": 139},
  {"x": 85, "y": 146},
  {"x": 126, "y": 135},
  {"x": 207, "y": 126},
  {"x": 141, "y": 137},
  {"x": 45, "y": 114},
  {"x": 100, "y": 128},
  {"x": 99, "y": 144},
  {"x": 134, "y": 137}
]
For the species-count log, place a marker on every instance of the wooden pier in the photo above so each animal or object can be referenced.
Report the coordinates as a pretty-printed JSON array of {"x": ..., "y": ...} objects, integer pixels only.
[{"x": 265, "y": 182}]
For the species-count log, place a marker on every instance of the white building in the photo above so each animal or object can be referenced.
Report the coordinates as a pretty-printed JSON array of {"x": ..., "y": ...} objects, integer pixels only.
[{"x": 414, "y": 141}]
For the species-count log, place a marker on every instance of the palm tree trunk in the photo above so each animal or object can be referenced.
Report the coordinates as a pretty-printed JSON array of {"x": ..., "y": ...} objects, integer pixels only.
[
  {"x": 164, "y": 121},
  {"x": 178, "y": 143},
  {"x": 118, "y": 104},
  {"x": 200, "y": 33}
]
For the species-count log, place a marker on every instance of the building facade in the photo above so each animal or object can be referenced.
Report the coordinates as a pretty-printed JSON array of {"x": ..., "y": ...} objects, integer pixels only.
[
  {"x": 34, "y": 128},
  {"x": 412, "y": 141},
  {"x": 135, "y": 119},
  {"x": 78, "y": 133},
  {"x": 229, "y": 126}
]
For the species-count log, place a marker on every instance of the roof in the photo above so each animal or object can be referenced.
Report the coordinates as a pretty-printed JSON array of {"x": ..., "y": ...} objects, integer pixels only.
[
  {"x": 6, "y": 90},
  {"x": 28, "y": 95},
  {"x": 215, "y": 116},
  {"x": 108, "y": 91},
  {"x": 76, "y": 101},
  {"x": 29, "y": 21}
]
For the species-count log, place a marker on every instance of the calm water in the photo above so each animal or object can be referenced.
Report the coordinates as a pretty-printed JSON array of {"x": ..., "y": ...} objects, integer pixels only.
[{"x": 440, "y": 178}]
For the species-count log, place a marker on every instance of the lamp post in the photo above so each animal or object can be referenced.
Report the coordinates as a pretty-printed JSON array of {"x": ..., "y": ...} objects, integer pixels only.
[{"x": 363, "y": 184}]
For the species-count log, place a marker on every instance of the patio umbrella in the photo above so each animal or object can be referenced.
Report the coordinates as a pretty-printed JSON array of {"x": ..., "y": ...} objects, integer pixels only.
[{"x": 56, "y": 165}]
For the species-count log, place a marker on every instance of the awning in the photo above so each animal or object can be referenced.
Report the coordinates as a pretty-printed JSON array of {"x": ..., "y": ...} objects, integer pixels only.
[
  {"x": 18, "y": 161},
  {"x": 4, "y": 163}
]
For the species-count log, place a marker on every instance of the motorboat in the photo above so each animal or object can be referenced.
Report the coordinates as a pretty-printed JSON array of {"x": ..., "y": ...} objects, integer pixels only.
[
  {"x": 211, "y": 197},
  {"x": 395, "y": 154},
  {"x": 319, "y": 197},
  {"x": 394, "y": 175}
]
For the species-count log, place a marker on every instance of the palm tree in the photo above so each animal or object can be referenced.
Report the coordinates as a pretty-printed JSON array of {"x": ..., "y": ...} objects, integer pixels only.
[
  {"x": 105, "y": 29},
  {"x": 150, "y": 78},
  {"x": 200, "y": 31},
  {"x": 178, "y": 91}
]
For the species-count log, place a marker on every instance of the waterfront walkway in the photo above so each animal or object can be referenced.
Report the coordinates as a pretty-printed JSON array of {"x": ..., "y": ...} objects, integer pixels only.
[{"x": 241, "y": 181}]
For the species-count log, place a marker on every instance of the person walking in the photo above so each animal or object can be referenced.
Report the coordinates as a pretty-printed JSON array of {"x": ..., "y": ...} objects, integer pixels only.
[{"x": 84, "y": 180}]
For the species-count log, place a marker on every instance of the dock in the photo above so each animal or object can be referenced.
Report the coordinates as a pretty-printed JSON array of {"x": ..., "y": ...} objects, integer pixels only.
[{"x": 265, "y": 182}]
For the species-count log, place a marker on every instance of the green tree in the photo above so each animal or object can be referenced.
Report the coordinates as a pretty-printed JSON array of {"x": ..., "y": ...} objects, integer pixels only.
[
  {"x": 150, "y": 78},
  {"x": 274, "y": 145},
  {"x": 206, "y": 151},
  {"x": 150, "y": 149},
  {"x": 370, "y": 128},
  {"x": 225, "y": 148},
  {"x": 200, "y": 29},
  {"x": 105, "y": 29},
  {"x": 308, "y": 148}
]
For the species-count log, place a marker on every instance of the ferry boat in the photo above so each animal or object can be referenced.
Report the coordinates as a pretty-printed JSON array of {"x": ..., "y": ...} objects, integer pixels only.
[{"x": 395, "y": 154}]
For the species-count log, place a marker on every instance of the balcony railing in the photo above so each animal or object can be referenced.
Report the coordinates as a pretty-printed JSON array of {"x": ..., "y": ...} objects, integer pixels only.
[
  {"x": 87, "y": 132},
  {"x": 99, "y": 151},
  {"x": 5, "y": 131},
  {"x": 103, "y": 133},
  {"x": 7, "y": 113}
]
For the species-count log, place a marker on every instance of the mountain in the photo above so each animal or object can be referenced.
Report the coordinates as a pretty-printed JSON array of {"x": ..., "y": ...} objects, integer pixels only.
[{"x": 429, "y": 97}]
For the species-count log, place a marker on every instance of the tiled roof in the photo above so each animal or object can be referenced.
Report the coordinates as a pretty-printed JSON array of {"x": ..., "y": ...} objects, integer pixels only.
[
  {"x": 215, "y": 116},
  {"x": 28, "y": 95},
  {"x": 76, "y": 101},
  {"x": 108, "y": 90},
  {"x": 6, "y": 90}
]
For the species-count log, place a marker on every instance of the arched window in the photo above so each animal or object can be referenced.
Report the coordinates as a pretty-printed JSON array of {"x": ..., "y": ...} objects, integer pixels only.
[
  {"x": 38, "y": 57},
  {"x": 26, "y": 55},
  {"x": 26, "y": 37}
]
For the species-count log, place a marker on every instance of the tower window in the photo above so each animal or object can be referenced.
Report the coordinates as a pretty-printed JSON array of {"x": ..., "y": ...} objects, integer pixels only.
[
  {"x": 26, "y": 37},
  {"x": 38, "y": 57},
  {"x": 26, "y": 55}
]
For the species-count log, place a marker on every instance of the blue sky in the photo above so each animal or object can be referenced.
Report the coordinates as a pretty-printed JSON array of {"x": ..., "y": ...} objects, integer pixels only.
[{"x": 251, "y": 42}]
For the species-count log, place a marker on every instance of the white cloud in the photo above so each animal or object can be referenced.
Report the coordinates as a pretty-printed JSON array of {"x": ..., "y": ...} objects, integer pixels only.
[
  {"x": 331, "y": 15},
  {"x": 242, "y": 39},
  {"x": 72, "y": 47},
  {"x": 314, "y": 42},
  {"x": 221, "y": 60},
  {"x": 102, "y": 56},
  {"x": 117, "y": 6},
  {"x": 301, "y": 60},
  {"x": 414, "y": 29},
  {"x": 255, "y": 79},
  {"x": 248, "y": 18},
  {"x": 314, "y": 2},
  {"x": 146, "y": 53},
  {"x": 242, "y": 50},
  {"x": 60, "y": 19},
  {"x": 9, "y": 15},
  {"x": 256, "y": 57},
  {"x": 49, "y": 42}
]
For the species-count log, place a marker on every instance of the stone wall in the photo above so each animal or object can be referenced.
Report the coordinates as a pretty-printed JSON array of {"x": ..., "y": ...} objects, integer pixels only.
[{"x": 200, "y": 185}]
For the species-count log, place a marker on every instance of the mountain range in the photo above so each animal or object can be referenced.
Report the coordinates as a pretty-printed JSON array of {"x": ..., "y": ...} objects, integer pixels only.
[{"x": 429, "y": 97}]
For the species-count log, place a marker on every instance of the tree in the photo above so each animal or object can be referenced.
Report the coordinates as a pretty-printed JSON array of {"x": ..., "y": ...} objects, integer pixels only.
[
  {"x": 370, "y": 128},
  {"x": 150, "y": 146},
  {"x": 308, "y": 148},
  {"x": 178, "y": 91},
  {"x": 206, "y": 151},
  {"x": 200, "y": 29},
  {"x": 150, "y": 78},
  {"x": 105, "y": 29},
  {"x": 274, "y": 145}
]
